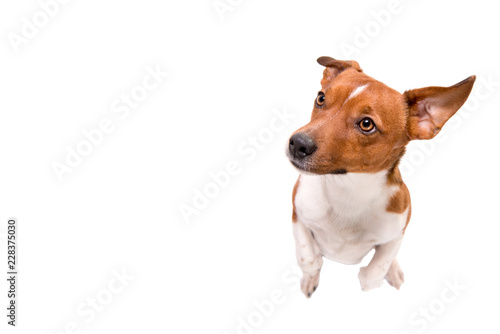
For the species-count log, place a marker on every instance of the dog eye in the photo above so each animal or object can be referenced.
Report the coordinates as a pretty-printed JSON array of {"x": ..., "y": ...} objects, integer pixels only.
[
  {"x": 366, "y": 125},
  {"x": 320, "y": 99}
]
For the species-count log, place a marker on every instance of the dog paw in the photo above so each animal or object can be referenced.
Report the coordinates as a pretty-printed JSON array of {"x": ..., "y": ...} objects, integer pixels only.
[
  {"x": 395, "y": 275},
  {"x": 368, "y": 280},
  {"x": 309, "y": 283}
]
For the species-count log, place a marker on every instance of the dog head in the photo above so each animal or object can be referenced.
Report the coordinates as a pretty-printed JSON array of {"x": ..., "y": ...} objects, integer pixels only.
[{"x": 360, "y": 125}]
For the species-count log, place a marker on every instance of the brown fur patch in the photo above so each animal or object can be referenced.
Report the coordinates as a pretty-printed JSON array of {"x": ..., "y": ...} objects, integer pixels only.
[
  {"x": 400, "y": 201},
  {"x": 294, "y": 192},
  {"x": 394, "y": 176}
]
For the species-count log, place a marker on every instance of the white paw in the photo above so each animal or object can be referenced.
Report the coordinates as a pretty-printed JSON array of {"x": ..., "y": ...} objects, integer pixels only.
[
  {"x": 395, "y": 275},
  {"x": 368, "y": 279},
  {"x": 309, "y": 283}
]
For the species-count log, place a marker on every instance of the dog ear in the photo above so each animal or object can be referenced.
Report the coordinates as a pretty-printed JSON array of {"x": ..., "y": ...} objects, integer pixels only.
[
  {"x": 334, "y": 67},
  {"x": 431, "y": 107}
]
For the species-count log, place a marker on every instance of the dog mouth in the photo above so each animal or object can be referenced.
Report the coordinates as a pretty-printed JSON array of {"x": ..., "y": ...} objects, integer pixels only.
[
  {"x": 306, "y": 166},
  {"x": 300, "y": 165}
]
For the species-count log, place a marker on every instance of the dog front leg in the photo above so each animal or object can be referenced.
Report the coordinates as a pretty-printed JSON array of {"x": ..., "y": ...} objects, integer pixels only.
[
  {"x": 372, "y": 276},
  {"x": 309, "y": 258}
]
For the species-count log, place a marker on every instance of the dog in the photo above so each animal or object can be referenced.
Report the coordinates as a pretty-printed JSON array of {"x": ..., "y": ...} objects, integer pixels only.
[{"x": 349, "y": 197}]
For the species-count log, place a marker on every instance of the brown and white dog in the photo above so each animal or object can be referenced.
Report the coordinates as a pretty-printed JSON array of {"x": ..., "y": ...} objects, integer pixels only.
[{"x": 349, "y": 197}]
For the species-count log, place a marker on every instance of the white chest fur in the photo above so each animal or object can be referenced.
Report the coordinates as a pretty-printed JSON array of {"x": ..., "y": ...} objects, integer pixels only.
[{"x": 347, "y": 213}]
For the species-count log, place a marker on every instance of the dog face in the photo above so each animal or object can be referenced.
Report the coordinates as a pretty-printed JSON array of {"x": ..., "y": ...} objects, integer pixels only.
[{"x": 358, "y": 124}]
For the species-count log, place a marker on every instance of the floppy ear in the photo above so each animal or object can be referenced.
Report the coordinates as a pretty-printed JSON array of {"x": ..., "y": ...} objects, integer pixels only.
[
  {"x": 334, "y": 67},
  {"x": 431, "y": 107}
]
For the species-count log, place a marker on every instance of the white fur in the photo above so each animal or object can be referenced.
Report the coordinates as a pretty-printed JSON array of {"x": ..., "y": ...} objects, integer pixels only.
[
  {"x": 357, "y": 91},
  {"x": 343, "y": 217}
]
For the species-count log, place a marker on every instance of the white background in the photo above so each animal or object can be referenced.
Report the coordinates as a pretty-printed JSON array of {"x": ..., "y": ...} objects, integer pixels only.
[{"x": 119, "y": 208}]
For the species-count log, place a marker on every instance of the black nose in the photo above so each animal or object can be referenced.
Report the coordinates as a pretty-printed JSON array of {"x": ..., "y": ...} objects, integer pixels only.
[{"x": 301, "y": 145}]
